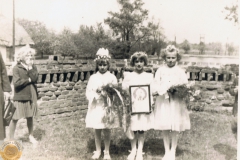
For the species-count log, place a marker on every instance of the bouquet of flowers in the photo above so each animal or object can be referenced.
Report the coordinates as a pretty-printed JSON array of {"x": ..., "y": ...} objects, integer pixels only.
[
  {"x": 181, "y": 91},
  {"x": 117, "y": 106}
]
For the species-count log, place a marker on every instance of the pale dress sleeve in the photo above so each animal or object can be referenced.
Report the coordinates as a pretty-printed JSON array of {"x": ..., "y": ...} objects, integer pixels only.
[
  {"x": 151, "y": 80},
  {"x": 90, "y": 89},
  {"x": 114, "y": 80},
  {"x": 158, "y": 85},
  {"x": 183, "y": 77},
  {"x": 126, "y": 81}
]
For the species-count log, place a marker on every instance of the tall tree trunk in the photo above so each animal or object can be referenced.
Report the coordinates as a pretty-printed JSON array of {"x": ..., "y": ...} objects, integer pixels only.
[{"x": 128, "y": 42}]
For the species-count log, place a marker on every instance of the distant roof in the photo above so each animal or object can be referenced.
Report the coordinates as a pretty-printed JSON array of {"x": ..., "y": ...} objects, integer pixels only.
[{"x": 21, "y": 36}]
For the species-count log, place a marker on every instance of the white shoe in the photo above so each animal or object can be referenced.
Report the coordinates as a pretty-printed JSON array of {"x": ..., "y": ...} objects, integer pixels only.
[
  {"x": 132, "y": 155},
  {"x": 33, "y": 140},
  {"x": 106, "y": 155},
  {"x": 96, "y": 154}
]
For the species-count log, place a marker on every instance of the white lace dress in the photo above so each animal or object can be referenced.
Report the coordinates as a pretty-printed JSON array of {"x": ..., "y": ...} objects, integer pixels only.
[
  {"x": 173, "y": 114},
  {"x": 143, "y": 121},
  {"x": 96, "y": 112}
]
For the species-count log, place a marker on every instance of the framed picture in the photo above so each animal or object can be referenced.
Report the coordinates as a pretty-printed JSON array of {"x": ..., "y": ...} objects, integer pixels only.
[{"x": 140, "y": 101}]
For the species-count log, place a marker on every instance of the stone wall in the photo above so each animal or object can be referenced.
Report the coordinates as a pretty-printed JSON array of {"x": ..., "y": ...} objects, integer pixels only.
[{"x": 61, "y": 85}]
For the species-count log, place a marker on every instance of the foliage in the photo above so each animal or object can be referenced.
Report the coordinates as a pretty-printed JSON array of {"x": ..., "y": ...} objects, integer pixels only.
[
  {"x": 42, "y": 37},
  {"x": 216, "y": 47},
  {"x": 129, "y": 33},
  {"x": 154, "y": 41},
  {"x": 202, "y": 47},
  {"x": 181, "y": 91},
  {"x": 230, "y": 49},
  {"x": 232, "y": 13},
  {"x": 185, "y": 46},
  {"x": 64, "y": 44},
  {"x": 127, "y": 24},
  {"x": 89, "y": 39},
  {"x": 117, "y": 101}
]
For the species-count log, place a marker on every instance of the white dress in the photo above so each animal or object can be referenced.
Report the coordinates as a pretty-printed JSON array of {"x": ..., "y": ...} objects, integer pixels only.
[
  {"x": 96, "y": 112},
  {"x": 170, "y": 115},
  {"x": 143, "y": 121}
]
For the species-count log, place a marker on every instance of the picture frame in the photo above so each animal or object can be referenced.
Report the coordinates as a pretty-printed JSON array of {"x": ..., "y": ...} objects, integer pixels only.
[{"x": 140, "y": 99}]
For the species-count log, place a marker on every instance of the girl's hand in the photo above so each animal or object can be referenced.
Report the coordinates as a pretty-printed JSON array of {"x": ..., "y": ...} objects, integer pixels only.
[
  {"x": 7, "y": 95},
  {"x": 30, "y": 67}
]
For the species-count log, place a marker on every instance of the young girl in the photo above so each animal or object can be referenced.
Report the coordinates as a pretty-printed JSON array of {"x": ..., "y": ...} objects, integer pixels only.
[
  {"x": 139, "y": 122},
  {"x": 170, "y": 114},
  {"x": 96, "y": 106}
]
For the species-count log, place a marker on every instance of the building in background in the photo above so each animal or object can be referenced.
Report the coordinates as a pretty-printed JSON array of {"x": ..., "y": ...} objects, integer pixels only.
[{"x": 6, "y": 38}]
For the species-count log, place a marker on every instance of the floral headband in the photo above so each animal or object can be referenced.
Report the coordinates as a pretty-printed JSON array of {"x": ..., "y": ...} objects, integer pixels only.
[
  {"x": 138, "y": 54},
  {"x": 171, "y": 48},
  {"x": 102, "y": 54}
]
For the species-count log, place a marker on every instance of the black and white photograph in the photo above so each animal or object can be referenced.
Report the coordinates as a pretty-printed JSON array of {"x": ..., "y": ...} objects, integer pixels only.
[{"x": 119, "y": 79}]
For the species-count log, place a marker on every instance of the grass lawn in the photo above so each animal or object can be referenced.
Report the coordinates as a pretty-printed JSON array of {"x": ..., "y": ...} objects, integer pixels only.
[{"x": 210, "y": 138}]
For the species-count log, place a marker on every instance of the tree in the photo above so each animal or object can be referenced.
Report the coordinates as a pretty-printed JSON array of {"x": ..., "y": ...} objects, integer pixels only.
[
  {"x": 89, "y": 39},
  {"x": 202, "y": 47},
  {"x": 42, "y": 37},
  {"x": 185, "y": 46},
  {"x": 64, "y": 44},
  {"x": 230, "y": 49},
  {"x": 216, "y": 47},
  {"x": 128, "y": 23},
  {"x": 153, "y": 42},
  {"x": 232, "y": 13}
]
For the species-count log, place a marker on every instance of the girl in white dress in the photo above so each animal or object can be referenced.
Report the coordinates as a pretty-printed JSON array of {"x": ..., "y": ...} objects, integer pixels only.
[
  {"x": 170, "y": 113},
  {"x": 139, "y": 123},
  {"x": 96, "y": 105}
]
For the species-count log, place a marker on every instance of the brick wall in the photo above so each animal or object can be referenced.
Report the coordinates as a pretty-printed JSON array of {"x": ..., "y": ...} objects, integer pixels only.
[{"x": 61, "y": 85}]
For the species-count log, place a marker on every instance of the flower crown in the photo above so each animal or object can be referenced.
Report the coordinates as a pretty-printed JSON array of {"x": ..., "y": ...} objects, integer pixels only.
[
  {"x": 102, "y": 54},
  {"x": 139, "y": 54},
  {"x": 171, "y": 48}
]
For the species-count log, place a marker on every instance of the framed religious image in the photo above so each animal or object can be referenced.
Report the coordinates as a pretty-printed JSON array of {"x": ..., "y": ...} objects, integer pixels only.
[{"x": 140, "y": 101}]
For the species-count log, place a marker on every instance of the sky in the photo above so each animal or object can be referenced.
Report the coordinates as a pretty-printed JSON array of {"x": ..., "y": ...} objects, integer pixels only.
[{"x": 185, "y": 19}]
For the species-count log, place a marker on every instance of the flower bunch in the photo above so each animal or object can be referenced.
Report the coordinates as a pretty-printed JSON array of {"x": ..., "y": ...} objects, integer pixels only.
[
  {"x": 139, "y": 54},
  {"x": 117, "y": 106},
  {"x": 181, "y": 91}
]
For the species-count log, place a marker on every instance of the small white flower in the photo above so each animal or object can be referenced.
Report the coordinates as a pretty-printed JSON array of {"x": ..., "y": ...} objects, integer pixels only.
[
  {"x": 190, "y": 84},
  {"x": 197, "y": 92}
]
